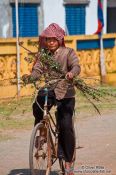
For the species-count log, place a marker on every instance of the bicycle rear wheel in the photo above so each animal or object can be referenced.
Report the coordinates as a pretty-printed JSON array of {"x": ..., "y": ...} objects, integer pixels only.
[{"x": 40, "y": 152}]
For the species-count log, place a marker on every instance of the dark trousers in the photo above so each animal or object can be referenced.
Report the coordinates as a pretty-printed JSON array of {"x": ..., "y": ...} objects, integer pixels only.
[{"x": 65, "y": 109}]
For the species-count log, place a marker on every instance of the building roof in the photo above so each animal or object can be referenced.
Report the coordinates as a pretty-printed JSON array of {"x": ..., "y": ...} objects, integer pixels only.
[
  {"x": 27, "y": 1},
  {"x": 76, "y": 1}
]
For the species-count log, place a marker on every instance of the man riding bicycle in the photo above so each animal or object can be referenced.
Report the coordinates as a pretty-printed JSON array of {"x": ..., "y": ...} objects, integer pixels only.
[{"x": 63, "y": 96}]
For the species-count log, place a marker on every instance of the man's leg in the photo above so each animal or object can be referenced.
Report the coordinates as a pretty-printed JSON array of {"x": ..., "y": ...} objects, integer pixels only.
[
  {"x": 65, "y": 109},
  {"x": 37, "y": 111}
]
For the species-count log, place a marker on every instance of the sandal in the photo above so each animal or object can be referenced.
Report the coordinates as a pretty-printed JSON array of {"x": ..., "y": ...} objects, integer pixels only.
[{"x": 69, "y": 170}]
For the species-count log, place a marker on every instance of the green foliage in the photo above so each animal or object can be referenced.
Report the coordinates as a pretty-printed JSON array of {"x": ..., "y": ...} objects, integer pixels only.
[{"x": 47, "y": 60}]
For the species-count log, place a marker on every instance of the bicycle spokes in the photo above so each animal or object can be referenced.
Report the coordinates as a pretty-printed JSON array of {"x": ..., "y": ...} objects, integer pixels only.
[{"x": 39, "y": 153}]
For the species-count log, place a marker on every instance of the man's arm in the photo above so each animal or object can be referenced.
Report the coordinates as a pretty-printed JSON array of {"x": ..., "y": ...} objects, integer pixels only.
[
  {"x": 73, "y": 64},
  {"x": 35, "y": 74},
  {"x": 37, "y": 70}
]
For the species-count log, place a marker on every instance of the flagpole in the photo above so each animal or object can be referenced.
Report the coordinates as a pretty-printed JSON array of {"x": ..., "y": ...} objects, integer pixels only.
[
  {"x": 102, "y": 61},
  {"x": 102, "y": 56},
  {"x": 18, "y": 49},
  {"x": 105, "y": 15}
]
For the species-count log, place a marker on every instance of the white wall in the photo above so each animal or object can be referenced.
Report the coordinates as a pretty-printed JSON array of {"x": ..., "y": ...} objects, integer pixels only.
[
  {"x": 105, "y": 16},
  {"x": 5, "y": 19},
  {"x": 91, "y": 17},
  {"x": 54, "y": 12}
]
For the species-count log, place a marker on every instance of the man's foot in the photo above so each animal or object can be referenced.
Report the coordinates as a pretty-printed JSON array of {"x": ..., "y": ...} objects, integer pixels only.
[{"x": 69, "y": 168}]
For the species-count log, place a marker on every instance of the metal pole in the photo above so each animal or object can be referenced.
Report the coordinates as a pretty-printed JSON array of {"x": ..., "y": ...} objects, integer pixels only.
[
  {"x": 18, "y": 49},
  {"x": 105, "y": 16},
  {"x": 102, "y": 57}
]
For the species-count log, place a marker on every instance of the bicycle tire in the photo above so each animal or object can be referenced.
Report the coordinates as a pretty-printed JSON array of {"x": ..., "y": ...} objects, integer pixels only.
[{"x": 39, "y": 155}]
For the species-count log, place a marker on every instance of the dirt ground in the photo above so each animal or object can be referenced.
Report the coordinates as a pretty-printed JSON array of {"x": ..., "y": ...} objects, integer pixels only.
[{"x": 96, "y": 153}]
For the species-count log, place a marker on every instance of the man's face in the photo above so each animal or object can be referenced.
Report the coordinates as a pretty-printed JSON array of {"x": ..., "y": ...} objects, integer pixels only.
[{"x": 52, "y": 44}]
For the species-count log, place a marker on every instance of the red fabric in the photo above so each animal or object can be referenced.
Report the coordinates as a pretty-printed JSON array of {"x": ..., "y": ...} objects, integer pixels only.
[{"x": 53, "y": 30}]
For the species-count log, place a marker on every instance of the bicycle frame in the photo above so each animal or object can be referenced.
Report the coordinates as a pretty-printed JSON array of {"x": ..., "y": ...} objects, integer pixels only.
[
  {"x": 49, "y": 122},
  {"x": 46, "y": 101}
]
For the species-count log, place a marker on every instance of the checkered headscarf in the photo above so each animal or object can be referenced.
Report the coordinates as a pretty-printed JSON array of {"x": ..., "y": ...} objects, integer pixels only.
[{"x": 53, "y": 30}]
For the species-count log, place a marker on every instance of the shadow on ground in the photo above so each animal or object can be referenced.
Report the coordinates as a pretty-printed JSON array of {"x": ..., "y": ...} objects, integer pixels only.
[{"x": 26, "y": 172}]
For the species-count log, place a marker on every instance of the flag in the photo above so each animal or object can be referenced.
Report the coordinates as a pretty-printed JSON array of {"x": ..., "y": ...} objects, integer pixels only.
[{"x": 100, "y": 17}]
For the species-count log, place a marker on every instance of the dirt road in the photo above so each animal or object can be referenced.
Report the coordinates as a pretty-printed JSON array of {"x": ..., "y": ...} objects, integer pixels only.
[{"x": 96, "y": 138}]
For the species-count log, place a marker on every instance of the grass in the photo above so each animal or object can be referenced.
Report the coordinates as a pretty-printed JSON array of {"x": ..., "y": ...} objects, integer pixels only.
[
  {"x": 17, "y": 113},
  {"x": 15, "y": 106},
  {"x": 108, "y": 104},
  {"x": 16, "y": 123}
]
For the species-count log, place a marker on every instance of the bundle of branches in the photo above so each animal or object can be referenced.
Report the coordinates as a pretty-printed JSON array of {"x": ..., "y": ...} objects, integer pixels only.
[
  {"x": 53, "y": 70},
  {"x": 91, "y": 93}
]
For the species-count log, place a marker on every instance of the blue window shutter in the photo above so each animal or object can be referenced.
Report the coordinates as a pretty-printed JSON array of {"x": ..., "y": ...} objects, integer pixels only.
[
  {"x": 28, "y": 20},
  {"x": 75, "y": 19}
]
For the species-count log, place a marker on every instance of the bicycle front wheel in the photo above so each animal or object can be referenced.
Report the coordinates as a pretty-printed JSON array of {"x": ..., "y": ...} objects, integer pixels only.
[{"x": 40, "y": 151}]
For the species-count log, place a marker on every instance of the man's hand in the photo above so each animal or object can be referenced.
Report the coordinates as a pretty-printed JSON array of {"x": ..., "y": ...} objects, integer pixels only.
[
  {"x": 69, "y": 75},
  {"x": 26, "y": 78}
]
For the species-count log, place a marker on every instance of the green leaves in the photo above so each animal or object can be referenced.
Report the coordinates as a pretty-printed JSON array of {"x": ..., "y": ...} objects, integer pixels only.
[{"x": 47, "y": 60}]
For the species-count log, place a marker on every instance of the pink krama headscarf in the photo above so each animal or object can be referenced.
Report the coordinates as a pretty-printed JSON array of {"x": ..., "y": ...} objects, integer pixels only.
[{"x": 53, "y": 30}]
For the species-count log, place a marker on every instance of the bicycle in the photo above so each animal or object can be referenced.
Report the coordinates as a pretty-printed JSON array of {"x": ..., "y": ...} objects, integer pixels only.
[{"x": 43, "y": 150}]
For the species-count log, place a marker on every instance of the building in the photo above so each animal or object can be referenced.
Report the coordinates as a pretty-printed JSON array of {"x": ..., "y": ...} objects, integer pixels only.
[{"x": 75, "y": 16}]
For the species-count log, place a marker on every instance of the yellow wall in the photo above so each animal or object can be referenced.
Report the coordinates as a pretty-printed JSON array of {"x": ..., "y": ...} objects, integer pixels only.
[{"x": 89, "y": 61}]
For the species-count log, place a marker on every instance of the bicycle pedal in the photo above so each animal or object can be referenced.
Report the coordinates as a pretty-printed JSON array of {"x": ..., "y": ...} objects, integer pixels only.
[{"x": 39, "y": 141}]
